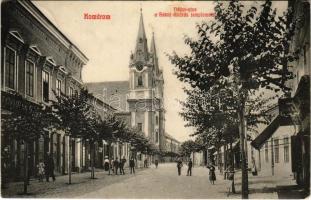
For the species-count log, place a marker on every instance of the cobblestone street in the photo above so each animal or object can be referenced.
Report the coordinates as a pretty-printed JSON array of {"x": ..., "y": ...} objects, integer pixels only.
[{"x": 147, "y": 183}]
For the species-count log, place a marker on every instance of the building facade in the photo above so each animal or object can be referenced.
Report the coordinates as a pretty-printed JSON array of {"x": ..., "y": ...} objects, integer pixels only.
[
  {"x": 285, "y": 143},
  {"x": 37, "y": 59},
  {"x": 171, "y": 148}
]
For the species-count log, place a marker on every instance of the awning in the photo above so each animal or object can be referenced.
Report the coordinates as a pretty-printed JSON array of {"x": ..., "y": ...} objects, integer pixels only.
[
  {"x": 266, "y": 133},
  {"x": 211, "y": 147},
  {"x": 274, "y": 128},
  {"x": 236, "y": 144}
]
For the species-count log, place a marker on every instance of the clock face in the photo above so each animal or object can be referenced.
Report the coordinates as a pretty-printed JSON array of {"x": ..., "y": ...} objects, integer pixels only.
[{"x": 139, "y": 66}]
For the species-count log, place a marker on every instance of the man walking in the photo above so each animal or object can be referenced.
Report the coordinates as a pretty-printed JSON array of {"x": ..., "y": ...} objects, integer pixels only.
[
  {"x": 189, "y": 171},
  {"x": 122, "y": 163},
  {"x": 179, "y": 166},
  {"x": 145, "y": 163},
  {"x": 116, "y": 165},
  {"x": 49, "y": 167},
  {"x": 132, "y": 165},
  {"x": 156, "y": 162}
]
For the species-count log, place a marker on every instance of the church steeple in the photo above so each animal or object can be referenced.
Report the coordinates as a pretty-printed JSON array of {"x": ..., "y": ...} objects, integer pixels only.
[
  {"x": 153, "y": 53},
  {"x": 152, "y": 47},
  {"x": 141, "y": 50}
]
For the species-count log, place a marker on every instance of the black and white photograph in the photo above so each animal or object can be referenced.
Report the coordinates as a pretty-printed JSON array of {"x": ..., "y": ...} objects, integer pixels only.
[{"x": 155, "y": 99}]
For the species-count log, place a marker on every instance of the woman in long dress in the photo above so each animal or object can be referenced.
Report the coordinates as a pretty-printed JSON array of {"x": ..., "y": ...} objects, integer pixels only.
[{"x": 212, "y": 175}]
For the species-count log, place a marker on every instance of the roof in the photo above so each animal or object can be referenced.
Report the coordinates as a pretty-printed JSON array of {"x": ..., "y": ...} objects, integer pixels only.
[
  {"x": 170, "y": 137},
  {"x": 114, "y": 93}
]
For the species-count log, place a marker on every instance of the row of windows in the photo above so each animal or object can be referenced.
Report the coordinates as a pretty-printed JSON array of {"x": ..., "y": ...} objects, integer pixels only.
[
  {"x": 10, "y": 77},
  {"x": 276, "y": 153}
]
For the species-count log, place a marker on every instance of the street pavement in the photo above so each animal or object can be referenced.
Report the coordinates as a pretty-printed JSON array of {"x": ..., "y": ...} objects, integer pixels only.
[{"x": 162, "y": 182}]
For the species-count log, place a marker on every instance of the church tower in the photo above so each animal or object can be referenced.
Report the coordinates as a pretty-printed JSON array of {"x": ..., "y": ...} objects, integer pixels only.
[{"x": 145, "y": 98}]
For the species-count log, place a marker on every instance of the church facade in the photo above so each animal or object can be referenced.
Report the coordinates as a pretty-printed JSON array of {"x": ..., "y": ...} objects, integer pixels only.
[{"x": 140, "y": 99}]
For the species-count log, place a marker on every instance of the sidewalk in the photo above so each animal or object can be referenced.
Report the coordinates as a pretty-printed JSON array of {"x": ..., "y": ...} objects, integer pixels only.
[
  {"x": 78, "y": 180},
  {"x": 267, "y": 187}
]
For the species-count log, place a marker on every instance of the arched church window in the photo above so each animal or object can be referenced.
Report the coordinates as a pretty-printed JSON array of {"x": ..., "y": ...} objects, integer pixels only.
[
  {"x": 140, "y": 40},
  {"x": 140, "y": 80},
  {"x": 157, "y": 137}
]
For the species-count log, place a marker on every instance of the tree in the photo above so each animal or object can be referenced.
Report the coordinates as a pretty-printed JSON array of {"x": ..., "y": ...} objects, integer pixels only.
[
  {"x": 248, "y": 48},
  {"x": 75, "y": 114},
  {"x": 188, "y": 147}
]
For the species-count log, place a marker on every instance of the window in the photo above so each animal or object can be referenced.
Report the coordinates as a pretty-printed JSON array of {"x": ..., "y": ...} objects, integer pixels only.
[
  {"x": 157, "y": 120},
  {"x": 46, "y": 86},
  {"x": 266, "y": 152},
  {"x": 276, "y": 150},
  {"x": 29, "y": 78},
  {"x": 286, "y": 150},
  {"x": 10, "y": 63},
  {"x": 71, "y": 92},
  {"x": 157, "y": 137},
  {"x": 58, "y": 87},
  {"x": 140, "y": 80},
  {"x": 140, "y": 126}
]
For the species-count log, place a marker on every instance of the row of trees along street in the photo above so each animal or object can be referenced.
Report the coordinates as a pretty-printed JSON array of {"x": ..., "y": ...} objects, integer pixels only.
[
  {"x": 236, "y": 58},
  {"x": 77, "y": 117}
]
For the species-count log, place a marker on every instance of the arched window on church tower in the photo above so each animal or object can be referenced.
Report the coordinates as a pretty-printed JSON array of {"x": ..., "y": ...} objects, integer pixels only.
[
  {"x": 140, "y": 80},
  {"x": 157, "y": 137}
]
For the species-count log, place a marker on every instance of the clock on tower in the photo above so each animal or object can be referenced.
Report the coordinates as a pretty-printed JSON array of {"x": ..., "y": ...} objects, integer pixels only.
[{"x": 139, "y": 66}]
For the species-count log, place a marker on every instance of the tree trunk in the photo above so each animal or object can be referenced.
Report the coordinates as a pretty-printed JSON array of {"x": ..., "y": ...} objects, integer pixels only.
[
  {"x": 93, "y": 159},
  {"x": 25, "y": 166},
  {"x": 109, "y": 148},
  {"x": 69, "y": 160},
  {"x": 225, "y": 161},
  {"x": 272, "y": 157},
  {"x": 232, "y": 164},
  {"x": 243, "y": 153}
]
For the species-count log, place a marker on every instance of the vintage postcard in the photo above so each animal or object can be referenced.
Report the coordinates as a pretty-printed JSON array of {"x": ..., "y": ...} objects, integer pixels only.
[{"x": 155, "y": 99}]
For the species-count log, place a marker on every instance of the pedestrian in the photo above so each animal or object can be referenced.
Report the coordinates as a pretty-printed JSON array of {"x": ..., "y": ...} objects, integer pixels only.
[
  {"x": 41, "y": 172},
  {"x": 106, "y": 163},
  {"x": 116, "y": 165},
  {"x": 212, "y": 175},
  {"x": 122, "y": 163},
  {"x": 179, "y": 166},
  {"x": 230, "y": 178},
  {"x": 145, "y": 163},
  {"x": 111, "y": 165},
  {"x": 49, "y": 167},
  {"x": 189, "y": 171},
  {"x": 254, "y": 169},
  {"x": 156, "y": 162},
  {"x": 132, "y": 165}
]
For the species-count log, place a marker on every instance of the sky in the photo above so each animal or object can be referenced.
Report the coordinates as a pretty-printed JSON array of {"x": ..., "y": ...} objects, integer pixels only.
[{"x": 108, "y": 43}]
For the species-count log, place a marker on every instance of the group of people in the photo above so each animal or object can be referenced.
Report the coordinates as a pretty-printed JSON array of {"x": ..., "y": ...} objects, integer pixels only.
[
  {"x": 46, "y": 168},
  {"x": 180, "y": 165},
  {"x": 117, "y": 165}
]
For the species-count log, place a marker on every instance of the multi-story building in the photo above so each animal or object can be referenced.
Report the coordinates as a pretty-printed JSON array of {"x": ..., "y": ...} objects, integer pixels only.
[
  {"x": 285, "y": 143},
  {"x": 170, "y": 147},
  {"x": 37, "y": 58},
  {"x": 139, "y": 99}
]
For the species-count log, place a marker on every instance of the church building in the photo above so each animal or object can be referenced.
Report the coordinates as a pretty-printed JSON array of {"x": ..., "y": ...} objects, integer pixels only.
[{"x": 140, "y": 98}]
